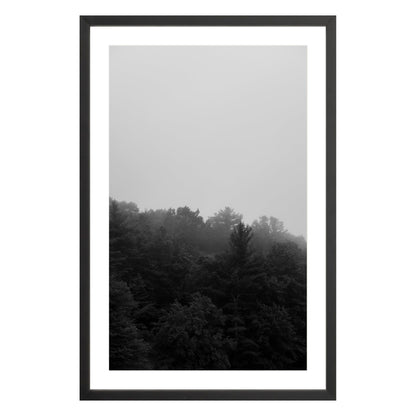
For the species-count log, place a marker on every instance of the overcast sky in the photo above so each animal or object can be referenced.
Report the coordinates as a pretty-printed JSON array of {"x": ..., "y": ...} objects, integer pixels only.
[{"x": 209, "y": 127}]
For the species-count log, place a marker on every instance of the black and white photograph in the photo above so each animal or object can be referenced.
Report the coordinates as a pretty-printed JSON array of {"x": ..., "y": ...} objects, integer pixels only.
[
  {"x": 208, "y": 241},
  {"x": 207, "y": 207}
]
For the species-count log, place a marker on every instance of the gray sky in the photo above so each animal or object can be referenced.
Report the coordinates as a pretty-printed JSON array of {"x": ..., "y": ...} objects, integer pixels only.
[{"x": 208, "y": 127}]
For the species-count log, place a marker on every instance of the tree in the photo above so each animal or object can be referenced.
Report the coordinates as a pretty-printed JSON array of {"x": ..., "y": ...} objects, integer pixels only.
[
  {"x": 192, "y": 294},
  {"x": 266, "y": 231},
  {"x": 240, "y": 238},
  {"x": 280, "y": 346},
  {"x": 189, "y": 226},
  {"x": 122, "y": 243},
  {"x": 287, "y": 258},
  {"x": 225, "y": 219},
  {"x": 191, "y": 337},
  {"x": 220, "y": 226},
  {"x": 128, "y": 350}
]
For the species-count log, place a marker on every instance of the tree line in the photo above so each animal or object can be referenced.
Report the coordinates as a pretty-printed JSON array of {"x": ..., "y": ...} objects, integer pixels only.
[{"x": 189, "y": 294}]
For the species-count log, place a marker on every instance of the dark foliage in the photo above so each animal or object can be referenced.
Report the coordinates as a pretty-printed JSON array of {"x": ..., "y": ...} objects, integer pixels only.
[{"x": 189, "y": 294}]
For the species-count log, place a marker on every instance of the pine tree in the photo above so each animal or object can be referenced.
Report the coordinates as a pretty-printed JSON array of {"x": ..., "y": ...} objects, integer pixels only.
[{"x": 128, "y": 350}]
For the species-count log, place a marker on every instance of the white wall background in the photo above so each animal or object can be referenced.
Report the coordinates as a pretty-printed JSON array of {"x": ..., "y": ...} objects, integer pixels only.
[{"x": 39, "y": 207}]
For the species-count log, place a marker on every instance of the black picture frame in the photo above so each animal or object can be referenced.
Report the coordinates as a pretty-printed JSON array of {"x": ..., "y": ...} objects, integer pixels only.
[{"x": 329, "y": 22}]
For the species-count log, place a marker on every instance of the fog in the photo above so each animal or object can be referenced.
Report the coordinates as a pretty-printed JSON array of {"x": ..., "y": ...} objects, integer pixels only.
[{"x": 209, "y": 127}]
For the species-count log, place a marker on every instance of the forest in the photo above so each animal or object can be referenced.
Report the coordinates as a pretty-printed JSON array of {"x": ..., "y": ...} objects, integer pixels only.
[{"x": 215, "y": 294}]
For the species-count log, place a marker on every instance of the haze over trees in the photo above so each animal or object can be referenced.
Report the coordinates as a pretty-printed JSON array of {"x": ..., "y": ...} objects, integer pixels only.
[{"x": 189, "y": 294}]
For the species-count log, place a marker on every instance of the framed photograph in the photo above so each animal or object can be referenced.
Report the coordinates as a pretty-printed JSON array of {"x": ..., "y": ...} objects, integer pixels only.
[{"x": 208, "y": 207}]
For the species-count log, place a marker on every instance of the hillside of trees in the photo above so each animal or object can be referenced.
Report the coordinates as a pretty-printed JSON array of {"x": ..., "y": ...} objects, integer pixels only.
[{"x": 189, "y": 294}]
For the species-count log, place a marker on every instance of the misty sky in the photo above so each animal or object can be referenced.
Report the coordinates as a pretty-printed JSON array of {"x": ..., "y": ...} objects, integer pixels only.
[{"x": 209, "y": 127}]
